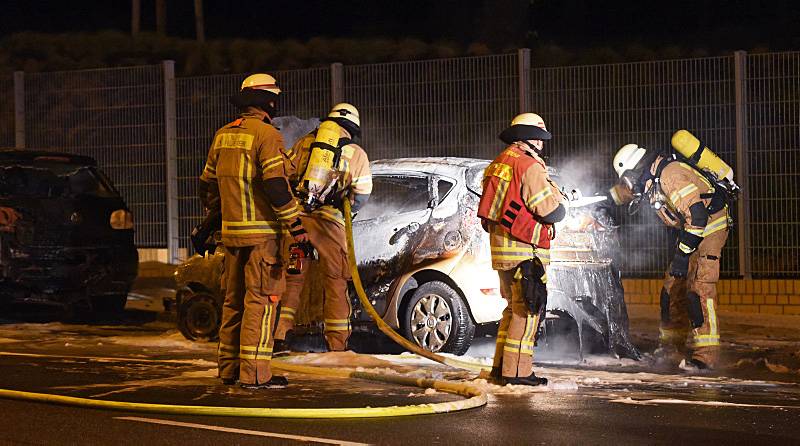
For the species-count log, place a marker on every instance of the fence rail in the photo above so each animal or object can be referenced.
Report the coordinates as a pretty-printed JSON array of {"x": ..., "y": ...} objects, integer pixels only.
[
  {"x": 745, "y": 107},
  {"x": 6, "y": 110}
]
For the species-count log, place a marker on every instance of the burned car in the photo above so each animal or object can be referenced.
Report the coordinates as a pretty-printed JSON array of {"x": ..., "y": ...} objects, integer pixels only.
[
  {"x": 425, "y": 264},
  {"x": 66, "y": 234}
]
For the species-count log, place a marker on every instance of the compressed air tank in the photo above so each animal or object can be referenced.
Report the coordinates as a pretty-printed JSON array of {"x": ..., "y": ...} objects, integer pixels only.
[
  {"x": 322, "y": 170},
  {"x": 701, "y": 156}
]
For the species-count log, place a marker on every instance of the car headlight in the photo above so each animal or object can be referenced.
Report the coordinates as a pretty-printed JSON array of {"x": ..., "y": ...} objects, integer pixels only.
[{"x": 121, "y": 219}]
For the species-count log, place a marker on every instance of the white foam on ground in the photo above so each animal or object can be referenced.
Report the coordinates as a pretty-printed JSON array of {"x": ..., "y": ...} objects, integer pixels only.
[{"x": 170, "y": 339}]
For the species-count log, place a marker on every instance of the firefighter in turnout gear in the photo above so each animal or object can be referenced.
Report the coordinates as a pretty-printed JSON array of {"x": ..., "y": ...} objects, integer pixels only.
[
  {"x": 246, "y": 166},
  {"x": 519, "y": 206},
  {"x": 325, "y": 225},
  {"x": 686, "y": 199}
]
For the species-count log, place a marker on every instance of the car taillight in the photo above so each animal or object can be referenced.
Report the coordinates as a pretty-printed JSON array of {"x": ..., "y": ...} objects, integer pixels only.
[
  {"x": 490, "y": 291},
  {"x": 121, "y": 219}
]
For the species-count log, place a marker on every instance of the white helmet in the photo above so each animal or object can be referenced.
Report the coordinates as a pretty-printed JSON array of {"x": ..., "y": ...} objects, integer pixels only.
[
  {"x": 627, "y": 157},
  {"x": 261, "y": 81},
  {"x": 346, "y": 115},
  {"x": 524, "y": 127}
]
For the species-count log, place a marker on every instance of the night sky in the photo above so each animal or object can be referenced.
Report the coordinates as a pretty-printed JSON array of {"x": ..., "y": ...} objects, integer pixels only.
[{"x": 501, "y": 23}]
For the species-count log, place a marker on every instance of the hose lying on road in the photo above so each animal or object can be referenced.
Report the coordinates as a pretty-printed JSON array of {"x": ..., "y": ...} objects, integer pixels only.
[
  {"x": 475, "y": 397},
  {"x": 382, "y": 325}
]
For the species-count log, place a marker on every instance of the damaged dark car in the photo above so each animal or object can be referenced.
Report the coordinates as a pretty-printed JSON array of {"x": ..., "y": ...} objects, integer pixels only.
[{"x": 66, "y": 234}]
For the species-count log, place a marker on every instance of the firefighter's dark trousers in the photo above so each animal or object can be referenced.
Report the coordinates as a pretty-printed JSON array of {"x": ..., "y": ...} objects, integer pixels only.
[
  {"x": 254, "y": 282},
  {"x": 689, "y": 305},
  {"x": 328, "y": 238}
]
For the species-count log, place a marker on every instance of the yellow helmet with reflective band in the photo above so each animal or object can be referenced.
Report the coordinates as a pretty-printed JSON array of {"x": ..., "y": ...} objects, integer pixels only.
[
  {"x": 627, "y": 157},
  {"x": 346, "y": 115},
  {"x": 261, "y": 81},
  {"x": 525, "y": 127},
  {"x": 258, "y": 90}
]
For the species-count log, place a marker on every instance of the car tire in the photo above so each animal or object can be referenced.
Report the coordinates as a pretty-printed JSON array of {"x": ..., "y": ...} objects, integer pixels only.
[
  {"x": 199, "y": 318},
  {"x": 437, "y": 319}
]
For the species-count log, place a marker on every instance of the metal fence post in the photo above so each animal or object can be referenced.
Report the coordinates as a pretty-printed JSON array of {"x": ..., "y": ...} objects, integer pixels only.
[
  {"x": 524, "y": 74},
  {"x": 171, "y": 157},
  {"x": 19, "y": 109},
  {"x": 742, "y": 160},
  {"x": 337, "y": 83}
]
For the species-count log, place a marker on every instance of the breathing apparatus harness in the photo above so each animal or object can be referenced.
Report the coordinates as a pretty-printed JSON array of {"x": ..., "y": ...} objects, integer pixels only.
[
  {"x": 723, "y": 192},
  {"x": 319, "y": 181}
]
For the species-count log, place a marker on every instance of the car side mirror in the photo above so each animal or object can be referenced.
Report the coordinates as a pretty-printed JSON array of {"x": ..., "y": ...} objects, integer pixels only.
[{"x": 432, "y": 203}]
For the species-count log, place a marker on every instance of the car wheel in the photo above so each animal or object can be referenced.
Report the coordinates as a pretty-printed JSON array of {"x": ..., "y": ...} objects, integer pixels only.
[
  {"x": 437, "y": 319},
  {"x": 199, "y": 318}
]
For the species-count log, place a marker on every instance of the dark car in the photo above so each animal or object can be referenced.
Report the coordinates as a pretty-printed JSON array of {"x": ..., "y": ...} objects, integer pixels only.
[
  {"x": 66, "y": 234},
  {"x": 425, "y": 264}
]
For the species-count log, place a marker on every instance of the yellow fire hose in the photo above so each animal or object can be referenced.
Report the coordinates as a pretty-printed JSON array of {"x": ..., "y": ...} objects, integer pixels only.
[
  {"x": 382, "y": 325},
  {"x": 475, "y": 398}
]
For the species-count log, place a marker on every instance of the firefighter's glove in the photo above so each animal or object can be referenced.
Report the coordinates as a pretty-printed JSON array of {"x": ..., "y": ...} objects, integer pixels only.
[
  {"x": 298, "y": 232},
  {"x": 337, "y": 201},
  {"x": 680, "y": 265},
  {"x": 202, "y": 236},
  {"x": 603, "y": 213}
]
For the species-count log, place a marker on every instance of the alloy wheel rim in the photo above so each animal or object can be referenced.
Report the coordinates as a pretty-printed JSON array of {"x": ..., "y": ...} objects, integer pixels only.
[{"x": 431, "y": 322}]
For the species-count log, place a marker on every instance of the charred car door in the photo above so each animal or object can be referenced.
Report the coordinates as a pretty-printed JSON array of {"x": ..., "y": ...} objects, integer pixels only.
[{"x": 389, "y": 229}]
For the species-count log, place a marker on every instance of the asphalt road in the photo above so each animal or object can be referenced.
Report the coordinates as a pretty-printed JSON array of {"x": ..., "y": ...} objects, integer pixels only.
[{"x": 591, "y": 404}]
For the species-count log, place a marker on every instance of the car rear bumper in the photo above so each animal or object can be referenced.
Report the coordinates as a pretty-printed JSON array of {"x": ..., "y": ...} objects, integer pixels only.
[{"x": 60, "y": 275}]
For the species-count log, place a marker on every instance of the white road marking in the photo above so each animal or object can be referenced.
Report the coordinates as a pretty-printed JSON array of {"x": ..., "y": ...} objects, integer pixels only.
[
  {"x": 100, "y": 358},
  {"x": 697, "y": 403},
  {"x": 240, "y": 431}
]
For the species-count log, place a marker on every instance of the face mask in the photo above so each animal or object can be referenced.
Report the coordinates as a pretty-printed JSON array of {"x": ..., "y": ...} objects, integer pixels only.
[{"x": 630, "y": 179}]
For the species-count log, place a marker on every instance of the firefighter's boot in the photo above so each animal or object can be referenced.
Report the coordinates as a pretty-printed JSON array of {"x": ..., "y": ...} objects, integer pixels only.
[
  {"x": 531, "y": 380},
  {"x": 283, "y": 345},
  {"x": 276, "y": 382}
]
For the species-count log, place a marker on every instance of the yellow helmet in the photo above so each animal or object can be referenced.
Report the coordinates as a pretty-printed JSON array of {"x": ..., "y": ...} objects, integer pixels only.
[
  {"x": 346, "y": 115},
  {"x": 627, "y": 157},
  {"x": 524, "y": 127},
  {"x": 261, "y": 81}
]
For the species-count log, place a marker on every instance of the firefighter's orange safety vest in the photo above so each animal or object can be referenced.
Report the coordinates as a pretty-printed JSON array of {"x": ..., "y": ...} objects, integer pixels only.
[{"x": 502, "y": 200}]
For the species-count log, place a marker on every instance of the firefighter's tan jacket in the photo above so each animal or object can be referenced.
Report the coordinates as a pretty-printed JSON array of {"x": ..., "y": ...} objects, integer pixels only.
[
  {"x": 243, "y": 155},
  {"x": 541, "y": 196},
  {"x": 683, "y": 186},
  {"x": 356, "y": 178}
]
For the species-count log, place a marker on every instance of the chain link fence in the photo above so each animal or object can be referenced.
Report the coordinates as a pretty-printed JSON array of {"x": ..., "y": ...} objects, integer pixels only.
[
  {"x": 115, "y": 116},
  {"x": 594, "y": 110},
  {"x": 456, "y": 107},
  {"x": 452, "y": 107},
  {"x": 773, "y": 141}
]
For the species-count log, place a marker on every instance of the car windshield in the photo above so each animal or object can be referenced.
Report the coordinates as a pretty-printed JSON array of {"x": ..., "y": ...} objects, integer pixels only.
[
  {"x": 51, "y": 180},
  {"x": 395, "y": 194}
]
